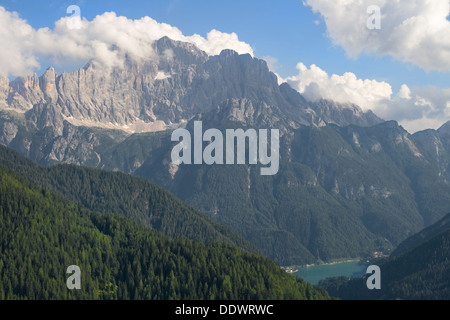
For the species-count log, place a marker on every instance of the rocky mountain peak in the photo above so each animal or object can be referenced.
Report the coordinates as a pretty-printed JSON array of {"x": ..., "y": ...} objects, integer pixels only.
[
  {"x": 24, "y": 92},
  {"x": 444, "y": 130},
  {"x": 226, "y": 53},
  {"x": 345, "y": 114},
  {"x": 4, "y": 88},
  {"x": 48, "y": 85},
  {"x": 391, "y": 124},
  {"x": 171, "y": 86},
  {"x": 171, "y": 51}
]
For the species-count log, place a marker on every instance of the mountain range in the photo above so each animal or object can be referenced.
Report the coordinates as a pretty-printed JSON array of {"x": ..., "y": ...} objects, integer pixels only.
[{"x": 349, "y": 182}]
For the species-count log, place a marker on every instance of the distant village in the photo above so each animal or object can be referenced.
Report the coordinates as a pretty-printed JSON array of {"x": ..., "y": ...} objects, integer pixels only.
[{"x": 289, "y": 269}]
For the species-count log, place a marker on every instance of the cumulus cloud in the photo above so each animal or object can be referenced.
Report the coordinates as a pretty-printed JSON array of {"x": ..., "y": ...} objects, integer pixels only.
[
  {"x": 411, "y": 31},
  {"x": 16, "y": 57},
  {"x": 415, "y": 108},
  {"x": 107, "y": 39},
  {"x": 315, "y": 84},
  {"x": 418, "y": 108},
  {"x": 216, "y": 41}
]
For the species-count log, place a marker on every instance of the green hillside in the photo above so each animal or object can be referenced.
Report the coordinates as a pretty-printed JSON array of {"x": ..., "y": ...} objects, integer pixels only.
[
  {"x": 135, "y": 198},
  {"x": 41, "y": 234}
]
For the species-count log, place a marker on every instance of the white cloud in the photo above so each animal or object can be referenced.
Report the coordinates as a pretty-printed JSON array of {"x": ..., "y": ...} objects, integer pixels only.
[
  {"x": 417, "y": 33},
  {"x": 420, "y": 108},
  {"x": 315, "y": 84},
  {"x": 412, "y": 31},
  {"x": 216, "y": 41},
  {"x": 106, "y": 39},
  {"x": 405, "y": 92},
  {"x": 415, "y": 108},
  {"x": 16, "y": 56}
]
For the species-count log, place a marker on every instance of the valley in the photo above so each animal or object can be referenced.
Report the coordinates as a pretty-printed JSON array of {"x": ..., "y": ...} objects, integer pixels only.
[
  {"x": 155, "y": 175},
  {"x": 348, "y": 182}
]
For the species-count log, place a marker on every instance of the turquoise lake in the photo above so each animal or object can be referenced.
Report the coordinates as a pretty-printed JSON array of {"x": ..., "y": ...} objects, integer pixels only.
[{"x": 314, "y": 274}]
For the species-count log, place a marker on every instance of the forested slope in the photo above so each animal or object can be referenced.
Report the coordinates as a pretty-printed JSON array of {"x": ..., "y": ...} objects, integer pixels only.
[
  {"x": 135, "y": 198},
  {"x": 42, "y": 233}
]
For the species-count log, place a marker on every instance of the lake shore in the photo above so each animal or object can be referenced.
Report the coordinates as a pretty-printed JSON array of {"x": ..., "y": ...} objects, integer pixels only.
[
  {"x": 313, "y": 273},
  {"x": 337, "y": 261}
]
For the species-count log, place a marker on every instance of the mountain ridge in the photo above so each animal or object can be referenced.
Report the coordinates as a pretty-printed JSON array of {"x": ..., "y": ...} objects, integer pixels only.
[
  {"x": 157, "y": 93},
  {"x": 349, "y": 184},
  {"x": 115, "y": 192}
]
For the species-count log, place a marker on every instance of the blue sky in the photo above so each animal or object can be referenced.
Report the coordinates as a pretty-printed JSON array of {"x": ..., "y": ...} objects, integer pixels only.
[{"x": 285, "y": 30}]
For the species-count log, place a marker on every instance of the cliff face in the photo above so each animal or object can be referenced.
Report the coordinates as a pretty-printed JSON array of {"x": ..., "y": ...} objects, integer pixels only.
[{"x": 178, "y": 83}]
